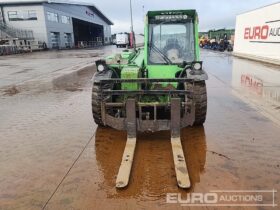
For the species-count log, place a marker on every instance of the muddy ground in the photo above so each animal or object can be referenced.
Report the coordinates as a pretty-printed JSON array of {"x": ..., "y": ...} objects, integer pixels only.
[{"x": 53, "y": 156}]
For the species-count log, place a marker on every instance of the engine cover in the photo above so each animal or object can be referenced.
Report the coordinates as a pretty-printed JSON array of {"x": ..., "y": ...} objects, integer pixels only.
[{"x": 130, "y": 72}]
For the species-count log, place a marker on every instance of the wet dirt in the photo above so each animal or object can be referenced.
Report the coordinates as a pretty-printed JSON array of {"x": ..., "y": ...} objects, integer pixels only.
[
  {"x": 11, "y": 91},
  {"x": 27, "y": 68},
  {"x": 54, "y": 157}
]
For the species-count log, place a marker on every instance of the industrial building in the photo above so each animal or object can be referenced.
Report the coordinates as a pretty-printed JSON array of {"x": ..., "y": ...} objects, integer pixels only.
[
  {"x": 58, "y": 24},
  {"x": 257, "y": 34}
]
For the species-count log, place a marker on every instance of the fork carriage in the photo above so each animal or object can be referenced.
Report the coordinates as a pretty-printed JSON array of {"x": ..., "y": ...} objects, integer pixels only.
[{"x": 148, "y": 116}]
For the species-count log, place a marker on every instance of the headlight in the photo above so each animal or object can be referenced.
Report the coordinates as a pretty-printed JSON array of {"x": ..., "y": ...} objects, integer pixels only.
[
  {"x": 100, "y": 67},
  {"x": 197, "y": 66}
]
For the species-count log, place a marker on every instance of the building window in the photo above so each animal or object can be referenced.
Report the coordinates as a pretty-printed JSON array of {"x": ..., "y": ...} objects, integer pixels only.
[
  {"x": 32, "y": 15},
  {"x": 68, "y": 40},
  {"x": 13, "y": 15},
  {"x": 52, "y": 17},
  {"x": 22, "y": 15},
  {"x": 55, "y": 40},
  {"x": 99, "y": 39},
  {"x": 65, "y": 19}
]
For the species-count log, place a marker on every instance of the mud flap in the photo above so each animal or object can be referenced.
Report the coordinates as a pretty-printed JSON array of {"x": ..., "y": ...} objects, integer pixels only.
[
  {"x": 181, "y": 169},
  {"x": 127, "y": 159}
]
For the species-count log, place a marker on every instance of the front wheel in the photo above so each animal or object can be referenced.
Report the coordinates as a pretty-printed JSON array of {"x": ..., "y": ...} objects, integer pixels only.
[
  {"x": 200, "y": 100},
  {"x": 96, "y": 105},
  {"x": 96, "y": 102}
]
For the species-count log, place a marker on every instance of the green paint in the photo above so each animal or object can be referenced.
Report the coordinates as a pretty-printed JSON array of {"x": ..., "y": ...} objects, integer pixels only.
[
  {"x": 132, "y": 64},
  {"x": 169, "y": 71},
  {"x": 130, "y": 72},
  {"x": 163, "y": 72},
  {"x": 197, "y": 48}
]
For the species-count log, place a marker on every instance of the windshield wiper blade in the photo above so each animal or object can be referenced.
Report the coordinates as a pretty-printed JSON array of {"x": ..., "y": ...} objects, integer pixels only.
[{"x": 165, "y": 58}]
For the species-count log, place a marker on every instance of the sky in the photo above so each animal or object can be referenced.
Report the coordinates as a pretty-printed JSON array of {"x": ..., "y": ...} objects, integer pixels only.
[{"x": 213, "y": 14}]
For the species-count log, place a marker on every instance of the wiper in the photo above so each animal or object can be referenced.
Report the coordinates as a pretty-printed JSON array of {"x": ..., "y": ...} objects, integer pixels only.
[{"x": 165, "y": 58}]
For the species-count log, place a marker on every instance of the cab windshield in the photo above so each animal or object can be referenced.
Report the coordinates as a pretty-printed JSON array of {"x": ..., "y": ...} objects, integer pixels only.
[{"x": 171, "y": 43}]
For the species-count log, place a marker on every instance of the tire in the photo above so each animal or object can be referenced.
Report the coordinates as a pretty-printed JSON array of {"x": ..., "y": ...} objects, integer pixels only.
[
  {"x": 96, "y": 103},
  {"x": 200, "y": 100}
]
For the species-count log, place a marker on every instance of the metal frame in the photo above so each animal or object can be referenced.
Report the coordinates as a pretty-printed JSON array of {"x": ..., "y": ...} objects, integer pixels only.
[
  {"x": 186, "y": 119},
  {"x": 142, "y": 80},
  {"x": 127, "y": 159},
  {"x": 180, "y": 166},
  {"x": 144, "y": 92},
  {"x": 181, "y": 170}
]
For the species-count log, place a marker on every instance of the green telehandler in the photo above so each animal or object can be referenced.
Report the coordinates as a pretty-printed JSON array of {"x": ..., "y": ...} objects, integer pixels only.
[{"x": 158, "y": 87}]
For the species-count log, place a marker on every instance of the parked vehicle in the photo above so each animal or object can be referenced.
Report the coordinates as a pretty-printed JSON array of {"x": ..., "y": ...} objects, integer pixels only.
[{"x": 122, "y": 40}]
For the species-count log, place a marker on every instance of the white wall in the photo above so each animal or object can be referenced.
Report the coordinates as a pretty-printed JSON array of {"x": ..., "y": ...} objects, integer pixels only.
[
  {"x": 37, "y": 26},
  {"x": 256, "y": 36}
]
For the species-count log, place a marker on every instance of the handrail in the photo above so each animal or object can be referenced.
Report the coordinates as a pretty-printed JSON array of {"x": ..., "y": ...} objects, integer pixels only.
[{"x": 14, "y": 33}]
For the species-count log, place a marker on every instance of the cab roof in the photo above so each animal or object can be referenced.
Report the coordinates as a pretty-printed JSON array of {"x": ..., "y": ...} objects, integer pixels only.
[{"x": 191, "y": 13}]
